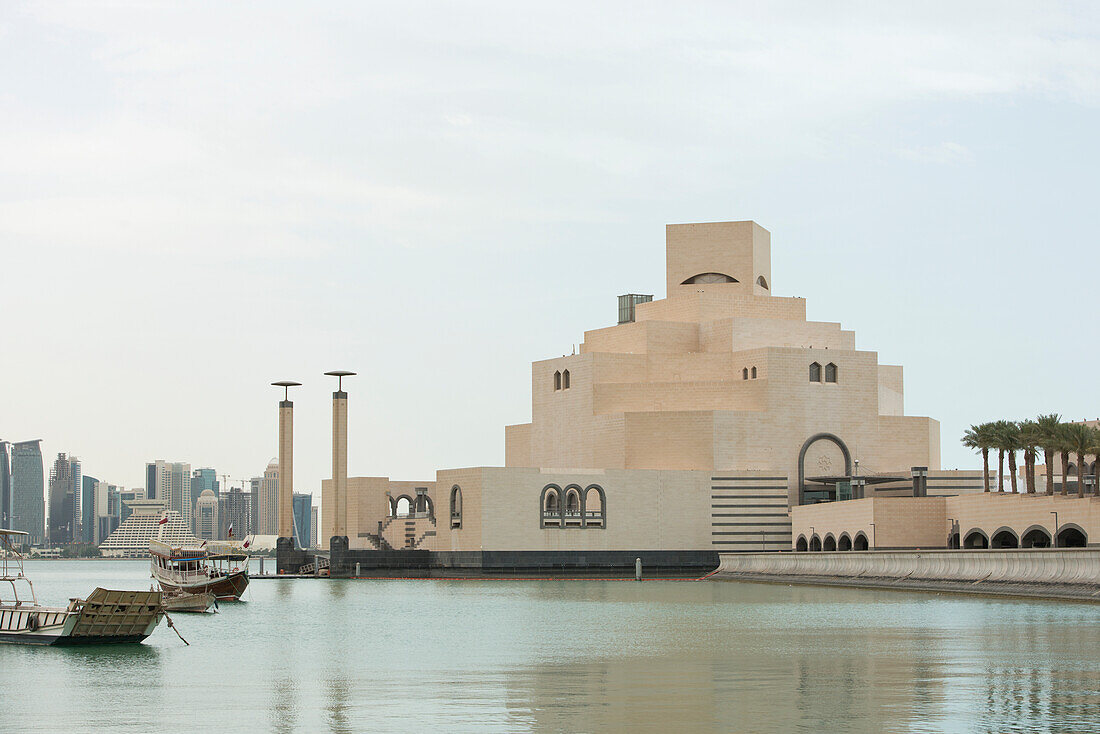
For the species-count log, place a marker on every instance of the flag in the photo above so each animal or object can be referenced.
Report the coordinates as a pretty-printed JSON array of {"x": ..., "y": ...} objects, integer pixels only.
[
  {"x": 230, "y": 530},
  {"x": 246, "y": 543},
  {"x": 203, "y": 544},
  {"x": 163, "y": 520}
]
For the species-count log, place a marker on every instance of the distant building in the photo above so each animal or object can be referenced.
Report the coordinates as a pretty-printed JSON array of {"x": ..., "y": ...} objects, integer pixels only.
[
  {"x": 125, "y": 497},
  {"x": 313, "y": 519},
  {"x": 269, "y": 495},
  {"x": 303, "y": 518},
  {"x": 106, "y": 510},
  {"x": 237, "y": 506},
  {"x": 87, "y": 509},
  {"x": 5, "y": 485},
  {"x": 169, "y": 481},
  {"x": 65, "y": 492},
  {"x": 131, "y": 539},
  {"x": 28, "y": 496},
  {"x": 255, "y": 484},
  {"x": 206, "y": 516},
  {"x": 202, "y": 480}
]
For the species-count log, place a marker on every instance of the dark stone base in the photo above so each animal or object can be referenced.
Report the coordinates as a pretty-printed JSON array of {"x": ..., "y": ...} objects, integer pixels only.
[
  {"x": 520, "y": 564},
  {"x": 289, "y": 559}
]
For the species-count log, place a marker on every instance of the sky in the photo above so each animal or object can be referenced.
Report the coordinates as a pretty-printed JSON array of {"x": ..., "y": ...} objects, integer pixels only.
[{"x": 200, "y": 198}]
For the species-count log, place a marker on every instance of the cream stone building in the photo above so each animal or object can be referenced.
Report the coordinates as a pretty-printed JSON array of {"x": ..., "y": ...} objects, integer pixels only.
[{"x": 690, "y": 427}]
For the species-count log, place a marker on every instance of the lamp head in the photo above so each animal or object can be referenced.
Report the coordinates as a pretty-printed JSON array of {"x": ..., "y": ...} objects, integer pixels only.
[
  {"x": 340, "y": 375},
  {"x": 286, "y": 385}
]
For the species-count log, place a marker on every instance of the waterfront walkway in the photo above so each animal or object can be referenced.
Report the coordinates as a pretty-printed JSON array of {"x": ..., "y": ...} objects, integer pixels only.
[{"x": 1062, "y": 573}]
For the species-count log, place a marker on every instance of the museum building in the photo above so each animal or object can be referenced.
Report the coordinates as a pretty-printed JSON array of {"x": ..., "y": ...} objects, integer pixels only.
[{"x": 689, "y": 428}]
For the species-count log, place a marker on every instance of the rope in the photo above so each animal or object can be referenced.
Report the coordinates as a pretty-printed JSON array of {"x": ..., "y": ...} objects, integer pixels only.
[{"x": 172, "y": 627}]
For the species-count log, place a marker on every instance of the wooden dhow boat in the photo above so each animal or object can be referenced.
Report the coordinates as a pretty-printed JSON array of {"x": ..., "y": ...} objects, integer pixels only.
[
  {"x": 180, "y": 602},
  {"x": 221, "y": 570},
  {"x": 105, "y": 616}
]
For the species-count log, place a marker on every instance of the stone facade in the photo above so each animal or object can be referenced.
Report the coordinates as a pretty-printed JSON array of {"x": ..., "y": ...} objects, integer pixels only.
[{"x": 691, "y": 429}]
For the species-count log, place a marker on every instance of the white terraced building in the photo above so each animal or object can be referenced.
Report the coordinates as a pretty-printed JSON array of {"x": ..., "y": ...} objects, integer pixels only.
[{"x": 131, "y": 539}]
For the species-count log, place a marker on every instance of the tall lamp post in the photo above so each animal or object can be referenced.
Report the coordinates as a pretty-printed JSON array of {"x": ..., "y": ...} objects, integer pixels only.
[
  {"x": 874, "y": 540},
  {"x": 1054, "y": 540},
  {"x": 336, "y": 506},
  {"x": 951, "y": 531},
  {"x": 285, "y": 495}
]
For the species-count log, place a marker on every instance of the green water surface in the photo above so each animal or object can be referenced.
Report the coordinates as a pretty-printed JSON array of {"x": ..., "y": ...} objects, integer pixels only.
[{"x": 508, "y": 656}]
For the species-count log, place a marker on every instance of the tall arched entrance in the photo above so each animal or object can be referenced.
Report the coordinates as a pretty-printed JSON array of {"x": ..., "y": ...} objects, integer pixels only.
[{"x": 829, "y": 437}]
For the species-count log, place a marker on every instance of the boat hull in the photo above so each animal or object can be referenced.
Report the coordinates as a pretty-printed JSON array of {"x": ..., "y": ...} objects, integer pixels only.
[
  {"x": 226, "y": 588},
  {"x": 105, "y": 617}
]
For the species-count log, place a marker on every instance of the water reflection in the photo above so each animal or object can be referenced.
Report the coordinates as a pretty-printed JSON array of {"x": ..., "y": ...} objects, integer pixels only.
[{"x": 379, "y": 655}]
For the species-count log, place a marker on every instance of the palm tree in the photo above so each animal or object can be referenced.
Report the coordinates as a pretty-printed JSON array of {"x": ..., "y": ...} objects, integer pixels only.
[
  {"x": 1065, "y": 442},
  {"x": 1007, "y": 441},
  {"x": 1030, "y": 436},
  {"x": 1080, "y": 439},
  {"x": 1049, "y": 441},
  {"x": 980, "y": 437}
]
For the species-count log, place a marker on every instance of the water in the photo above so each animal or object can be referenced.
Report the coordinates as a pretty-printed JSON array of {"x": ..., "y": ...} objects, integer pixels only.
[{"x": 353, "y": 656}]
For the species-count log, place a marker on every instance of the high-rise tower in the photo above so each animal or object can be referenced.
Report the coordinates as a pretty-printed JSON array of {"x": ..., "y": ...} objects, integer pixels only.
[
  {"x": 28, "y": 497},
  {"x": 286, "y": 465}
]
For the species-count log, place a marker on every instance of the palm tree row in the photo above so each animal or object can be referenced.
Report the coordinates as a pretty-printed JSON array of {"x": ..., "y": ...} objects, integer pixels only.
[{"x": 1048, "y": 434}]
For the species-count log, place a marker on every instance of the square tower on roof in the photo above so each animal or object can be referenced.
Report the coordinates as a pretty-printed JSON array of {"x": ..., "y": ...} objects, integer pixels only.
[{"x": 728, "y": 257}]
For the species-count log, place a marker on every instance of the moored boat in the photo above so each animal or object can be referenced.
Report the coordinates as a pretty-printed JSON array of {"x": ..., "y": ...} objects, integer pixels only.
[
  {"x": 105, "y": 616},
  {"x": 180, "y": 602},
  {"x": 221, "y": 571}
]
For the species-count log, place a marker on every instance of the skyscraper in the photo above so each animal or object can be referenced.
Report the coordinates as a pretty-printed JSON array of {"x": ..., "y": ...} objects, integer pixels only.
[
  {"x": 65, "y": 492},
  {"x": 202, "y": 480},
  {"x": 28, "y": 502},
  {"x": 206, "y": 515},
  {"x": 87, "y": 509},
  {"x": 169, "y": 482},
  {"x": 238, "y": 513},
  {"x": 255, "y": 485},
  {"x": 269, "y": 500},
  {"x": 313, "y": 517},
  {"x": 303, "y": 517},
  {"x": 5, "y": 486},
  {"x": 106, "y": 509}
]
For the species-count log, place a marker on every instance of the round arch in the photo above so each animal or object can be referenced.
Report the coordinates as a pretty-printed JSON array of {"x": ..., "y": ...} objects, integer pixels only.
[
  {"x": 845, "y": 542},
  {"x": 1036, "y": 536},
  {"x": 1072, "y": 535},
  {"x": 1004, "y": 537},
  {"x": 800, "y": 545},
  {"x": 802, "y": 460},
  {"x": 456, "y": 506},
  {"x": 860, "y": 542},
  {"x": 815, "y": 542},
  {"x": 593, "y": 499},
  {"x": 830, "y": 543},
  {"x": 408, "y": 508},
  {"x": 571, "y": 499},
  {"x": 550, "y": 503},
  {"x": 975, "y": 538}
]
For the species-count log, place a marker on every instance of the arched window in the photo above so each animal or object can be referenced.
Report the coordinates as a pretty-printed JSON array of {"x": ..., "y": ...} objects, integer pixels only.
[
  {"x": 761, "y": 282},
  {"x": 800, "y": 545},
  {"x": 1071, "y": 469},
  {"x": 404, "y": 506},
  {"x": 1004, "y": 538},
  {"x": 557, "y": 380},
  {"x": 456, "y": 506},
  {"x": 860, "y": 543},
  {"x": 745, "y": 373},
  {"x": 572, "y": 501},
  {"x": 830, "y": 543},
  {"x": 845, "y": 542},
  {"x": 552, "y": 501},
  {"x": 754, "y": 373},
  {"x": 704, "y": 278},
  {"x": 815, "y": 543},
  {"x": 565, "y": 380},
  {"x": 592, "y": 505},
  {"x": 975, "y": 539},
  {"x": 830, "y": 372},
  {"x": 815, "y": 372},
  {"x": 550, "y": 507},
  {"x": 1071, "y": 536},
  {"x": 1035, "y": 537}
]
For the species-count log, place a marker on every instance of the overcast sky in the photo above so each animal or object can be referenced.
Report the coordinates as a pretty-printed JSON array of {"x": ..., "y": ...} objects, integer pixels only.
[{"x": 197, "y": 199}]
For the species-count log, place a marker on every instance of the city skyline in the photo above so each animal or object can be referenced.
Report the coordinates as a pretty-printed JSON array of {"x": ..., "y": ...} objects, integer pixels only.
[{"x": 324, "y": 233}]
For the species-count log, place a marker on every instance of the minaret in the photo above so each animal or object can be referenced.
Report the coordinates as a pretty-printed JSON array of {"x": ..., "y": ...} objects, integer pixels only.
[
  {"x": 285, "y": 493},
  {"x": 339, "y": 497}
]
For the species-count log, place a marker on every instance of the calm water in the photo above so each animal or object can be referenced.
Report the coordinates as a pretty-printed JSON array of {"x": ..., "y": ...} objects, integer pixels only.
[{"x": 351, "y": 656}]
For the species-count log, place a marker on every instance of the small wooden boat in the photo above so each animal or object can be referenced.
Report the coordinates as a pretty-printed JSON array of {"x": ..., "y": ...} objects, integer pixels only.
[
  {"x": 221, "y": 571},
  {"x": 105, "y": 616},
  {"x": 189, "y": 602}
]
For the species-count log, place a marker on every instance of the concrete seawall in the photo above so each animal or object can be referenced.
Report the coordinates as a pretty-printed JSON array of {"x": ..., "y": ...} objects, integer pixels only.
[{"x": 1063, "y": 573}]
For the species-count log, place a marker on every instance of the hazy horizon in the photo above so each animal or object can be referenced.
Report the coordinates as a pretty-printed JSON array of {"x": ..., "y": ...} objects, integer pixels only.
[{"x": 197, "y": 200}]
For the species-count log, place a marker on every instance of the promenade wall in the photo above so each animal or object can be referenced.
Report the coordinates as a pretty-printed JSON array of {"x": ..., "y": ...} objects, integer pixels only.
[{"x": 1046, "y": 572}]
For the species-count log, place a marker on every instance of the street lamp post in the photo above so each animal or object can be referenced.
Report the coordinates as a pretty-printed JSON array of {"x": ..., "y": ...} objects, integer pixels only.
[
  {"x": 811, "y": 536},
  {"x": 1054, "y": 540},
  {"x": 951, "y": 531}
]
